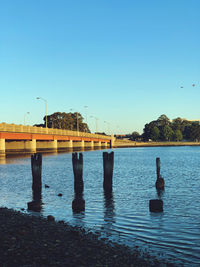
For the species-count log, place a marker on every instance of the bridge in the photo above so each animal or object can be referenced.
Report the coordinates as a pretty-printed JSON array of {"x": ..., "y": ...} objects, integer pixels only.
[{"x": 31, "y": 139}]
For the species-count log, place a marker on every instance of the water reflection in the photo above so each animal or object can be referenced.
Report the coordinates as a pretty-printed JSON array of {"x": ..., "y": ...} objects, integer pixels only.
[
  {"x": 109, "y": 210},
  {"x": 175, "y": 232},
  {"x": 160, "y": 193},
  {"x": 3, "y": 160},
  {"x": 78, "y": 204},
  {"x": 78, "y": 208}
]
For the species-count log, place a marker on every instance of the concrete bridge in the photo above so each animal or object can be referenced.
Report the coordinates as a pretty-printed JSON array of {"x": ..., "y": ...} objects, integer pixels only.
[{"x": 29, "y": 139}]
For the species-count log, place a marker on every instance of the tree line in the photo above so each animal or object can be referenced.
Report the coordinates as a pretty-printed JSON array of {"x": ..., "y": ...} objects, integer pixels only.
[
  {"x": 66, "y": 121},
  {"x": 163, "y": 129}
]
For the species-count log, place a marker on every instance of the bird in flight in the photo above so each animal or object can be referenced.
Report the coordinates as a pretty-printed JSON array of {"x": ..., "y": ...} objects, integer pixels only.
[{"x": 193, "y": 84}]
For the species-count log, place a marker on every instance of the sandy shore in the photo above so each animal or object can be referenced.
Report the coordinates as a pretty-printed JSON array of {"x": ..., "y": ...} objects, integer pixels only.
[{"x": 30, "y": 241}]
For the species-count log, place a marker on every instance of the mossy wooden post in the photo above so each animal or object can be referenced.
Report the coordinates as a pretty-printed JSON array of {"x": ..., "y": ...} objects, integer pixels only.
[
  {"x": 36, "y": 166},
  {"x": 78, "y": 172},
  {"x": 108, "y": 163},
  {"x": 158, "y": 167}
]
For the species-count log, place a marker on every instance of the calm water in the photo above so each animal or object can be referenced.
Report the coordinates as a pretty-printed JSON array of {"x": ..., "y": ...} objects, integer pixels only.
[{"x": 125, "y": 217}]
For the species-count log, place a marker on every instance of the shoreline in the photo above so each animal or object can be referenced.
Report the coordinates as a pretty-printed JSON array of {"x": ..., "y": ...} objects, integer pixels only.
[
  {"x": 32, "y": 241},
  {"x": 117, "y": 144},
  {"x": 128, "y": 143}
]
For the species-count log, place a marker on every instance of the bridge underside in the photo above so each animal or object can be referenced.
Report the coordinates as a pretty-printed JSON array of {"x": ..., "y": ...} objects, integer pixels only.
[{"x": 31, "y": 143}]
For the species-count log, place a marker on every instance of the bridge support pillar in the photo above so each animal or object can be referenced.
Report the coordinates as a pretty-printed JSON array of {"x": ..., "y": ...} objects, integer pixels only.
[
  {"x": 2, "y": 148},
  {"x": 53, "y": 145},
  {"x": 104, "y": 144},
  {"x": 82, "y": 143},
  {"x": 70, "y": 144},
  {"x": 92, "y": 143},
  {"x": 112, "y": 141},
  {"x": 79, "y": 144},
  {"x": 97, "y": 144},
  {"x": 30, "y": 146},
  {"x": 89, "y": 144}
]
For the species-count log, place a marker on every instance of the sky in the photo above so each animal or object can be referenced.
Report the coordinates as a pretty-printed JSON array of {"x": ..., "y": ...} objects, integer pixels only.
[{"x": 120, "y": 63}]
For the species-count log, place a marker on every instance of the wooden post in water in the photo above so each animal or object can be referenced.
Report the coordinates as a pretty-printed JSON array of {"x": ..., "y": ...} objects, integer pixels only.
[
  {"x": 156, "y": 205},
  {"x": 78, "y": 204},
  {"x": 36, "y": 166},
  {"x": 158, "y": 167},
  {"x": 160, "y": 182},
  {"x": 108, "y": 162},
  {"x": 78, "y": 172}
]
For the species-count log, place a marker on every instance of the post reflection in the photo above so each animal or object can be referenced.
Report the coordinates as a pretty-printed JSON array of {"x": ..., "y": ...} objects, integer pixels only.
[
  {"x": 160, "y": 193},
  {"x": 78, "y": 208},
  {"x": 109, "y": 210}
]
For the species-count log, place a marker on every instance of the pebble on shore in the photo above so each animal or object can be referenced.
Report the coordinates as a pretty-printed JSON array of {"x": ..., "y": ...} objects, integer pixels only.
[{"x": 35, "y": 242}]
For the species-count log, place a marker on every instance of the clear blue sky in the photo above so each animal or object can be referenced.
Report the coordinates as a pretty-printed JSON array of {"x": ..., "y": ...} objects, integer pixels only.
[{"x": 124, "y": 59}]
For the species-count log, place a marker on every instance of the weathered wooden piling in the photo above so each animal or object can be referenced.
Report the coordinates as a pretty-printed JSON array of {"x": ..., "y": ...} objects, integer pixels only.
[
  {"x": 78, "y": 172},
  {"x": 34, "y": 205},
  {"x": 78, "y": 204},
  {"x": 108, "y": 163},
  {"x": 158, "y": 167},
  {"x": 155, "y": 205},
  {"x": 160, "y": 182},
  {"x": 36, "y": 166}
]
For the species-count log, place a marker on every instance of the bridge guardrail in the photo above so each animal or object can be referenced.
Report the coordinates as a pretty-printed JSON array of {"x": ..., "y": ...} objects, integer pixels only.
[{"x": 4, "y": 127}]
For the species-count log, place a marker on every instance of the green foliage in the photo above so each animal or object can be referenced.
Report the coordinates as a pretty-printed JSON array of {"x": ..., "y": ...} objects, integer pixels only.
[
  {"x": 167, "y": 133},
  {"x": 67, "y": 121},
  {"x": 155, "y": 133},
  {"x": 163, "y": 129},
  {"x": 195, "y": 132},
  {"x": 134, "y": 136},
  {"x": 177, "y": 135}
]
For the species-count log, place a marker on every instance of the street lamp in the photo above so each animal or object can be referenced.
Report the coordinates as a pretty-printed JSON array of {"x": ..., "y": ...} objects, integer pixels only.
[
  {"x": 96, "y": 122},
  {"x": 86, "y": 117},
  {"x": 86, "y": 113},
  {"x": 25, "y": 117},
  {"x": 108, "y": 127},
  {"x": 45, "y": 107}
]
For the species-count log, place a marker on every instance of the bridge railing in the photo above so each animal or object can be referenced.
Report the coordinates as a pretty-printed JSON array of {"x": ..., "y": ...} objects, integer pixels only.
[{"x": 4, "y": 127}]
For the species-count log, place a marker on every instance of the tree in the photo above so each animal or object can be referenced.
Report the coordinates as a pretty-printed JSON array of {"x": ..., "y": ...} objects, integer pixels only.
[
  {"x": 178, "y": 135},
  {"x": 155, "y": 133},
  {"x": 147, "y": 131},
  {"x": 163, "y": 120},
  {"x": 67, "y": 121},
  {"x": 134, "y": 136},
  {"x": 167, "y": 133},
  {"x": 195, "y": 132}
]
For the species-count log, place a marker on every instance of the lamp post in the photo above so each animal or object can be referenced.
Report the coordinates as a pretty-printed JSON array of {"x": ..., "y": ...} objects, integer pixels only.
[
  {"x": 45, "y": 107},
  {"x": 108, "y": 127},
  {"x": 96, "y": 120},
  {"x": 86, "y": 113},
  {"x": 86, "y": 116},
  {"x": 25, "y": 117}
]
